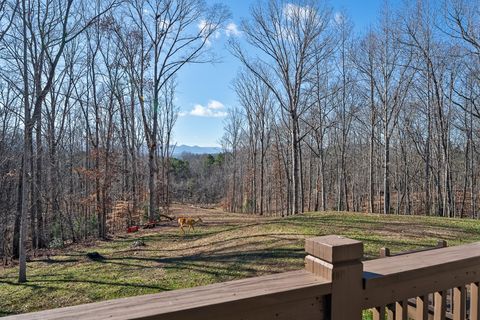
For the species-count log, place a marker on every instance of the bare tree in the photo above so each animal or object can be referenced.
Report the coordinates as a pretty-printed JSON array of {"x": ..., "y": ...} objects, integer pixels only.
[
  {"x": 287, "y": 35},
  {"x": 174, "y": 33},
  {"x": 168, "y": 118},
  {"x": 230, "y": 143},
  {"x": 50, "y": 33},
  {"x": 257, "y": 102}
]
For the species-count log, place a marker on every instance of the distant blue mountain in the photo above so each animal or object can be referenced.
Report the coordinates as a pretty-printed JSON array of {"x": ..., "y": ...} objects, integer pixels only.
[{"x": 179, "y": 150}]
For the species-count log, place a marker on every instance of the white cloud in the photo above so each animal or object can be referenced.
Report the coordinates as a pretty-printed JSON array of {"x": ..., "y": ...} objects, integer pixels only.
[
  {"x": 206, "y": 28},
  {"x": 292, "y": 11},
  {"x": 338, "y": 18},
  {"x": 209, "y": 30},
  {"x": 215, "y": 105},
  {"x": 232, "y": 30},
  {"x": 203, "y": 25},
  {"x": 214, "y": 109}
]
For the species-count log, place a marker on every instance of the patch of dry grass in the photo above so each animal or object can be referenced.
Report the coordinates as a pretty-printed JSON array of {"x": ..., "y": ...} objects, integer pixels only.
[{"x": 225, "y": 247}]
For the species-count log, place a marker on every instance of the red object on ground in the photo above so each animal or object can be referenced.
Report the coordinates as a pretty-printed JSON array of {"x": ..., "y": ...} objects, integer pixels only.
[{"x": 132, "y": 229}]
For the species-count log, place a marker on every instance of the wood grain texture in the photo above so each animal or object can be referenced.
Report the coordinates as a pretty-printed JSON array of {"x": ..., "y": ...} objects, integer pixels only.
[
  {"x": 337, "y": 259},
  {"x": 459, "y": 303},
  {"x": 440, "y": 299},
  {"x": 270, "y": 297},
  {"x": 474, "y": 301},
  {"x": 421, "y": 308},
  {"x": 401, "y": 310},
  {"x": 334, "y": 249},
  {"x": 405, "y": 276},
  {"x": 331, "y": 287}
]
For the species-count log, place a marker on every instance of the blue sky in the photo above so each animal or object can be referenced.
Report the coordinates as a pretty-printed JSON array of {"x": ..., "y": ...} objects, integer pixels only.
[{"x": 204, "y": 92}]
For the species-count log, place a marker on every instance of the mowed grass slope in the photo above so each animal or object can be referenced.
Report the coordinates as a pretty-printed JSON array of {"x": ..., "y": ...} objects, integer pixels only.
[{"x": 225, "y": 247}]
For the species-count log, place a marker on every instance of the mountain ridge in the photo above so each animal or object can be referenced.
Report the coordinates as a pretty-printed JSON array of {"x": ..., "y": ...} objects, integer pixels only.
[{"x": 183, "y": 148}]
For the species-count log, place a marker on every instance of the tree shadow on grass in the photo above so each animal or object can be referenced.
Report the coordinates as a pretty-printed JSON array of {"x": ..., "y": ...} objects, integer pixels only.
[
  {"x": 199, "y": 233},
  {"x": 224, "y": 265},
  {"x": 275, "y": 236},
  {"x": 47, "y": 278},
  {"x": 27, "y": 284},
  {"x": 58, "y": 261},
  {"x": 228, "y": 263},
  {"x": 4, "y": 313},
  {"x": 231, "y": 264},
  {"x": 108, "y": 283}
]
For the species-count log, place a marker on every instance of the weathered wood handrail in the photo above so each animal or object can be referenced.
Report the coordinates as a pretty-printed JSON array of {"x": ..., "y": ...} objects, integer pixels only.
[
  {"x": 385, "y": 252},
  {"x": 398, "y": 278},
  {"x": 410, "y": 275},
  {"x": 253, "y": 298},
  {"x": 334, "y": 285}
]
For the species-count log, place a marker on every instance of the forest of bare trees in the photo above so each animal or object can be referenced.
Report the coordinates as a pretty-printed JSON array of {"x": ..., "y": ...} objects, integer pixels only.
[
  {"x": 384, "y": 121},
  {"x": 327, "y": 119},
  {"x": 87, "y": 107}
]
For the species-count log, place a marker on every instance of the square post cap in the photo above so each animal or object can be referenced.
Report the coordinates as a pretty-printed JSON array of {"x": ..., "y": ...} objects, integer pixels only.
[{"x": 334, "y": 249}]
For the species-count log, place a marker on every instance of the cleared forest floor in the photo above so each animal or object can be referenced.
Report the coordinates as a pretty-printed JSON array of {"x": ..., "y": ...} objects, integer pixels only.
[{"x": 225, "y": 247}]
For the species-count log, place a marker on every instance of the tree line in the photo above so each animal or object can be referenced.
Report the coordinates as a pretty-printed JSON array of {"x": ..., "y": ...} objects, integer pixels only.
[
  {"x": 382, "y": 121},
  {"x": 87, "y": 106}
]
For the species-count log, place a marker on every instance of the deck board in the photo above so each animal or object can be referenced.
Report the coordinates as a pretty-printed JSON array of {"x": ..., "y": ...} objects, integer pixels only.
[{"x": 221, "y": 299}]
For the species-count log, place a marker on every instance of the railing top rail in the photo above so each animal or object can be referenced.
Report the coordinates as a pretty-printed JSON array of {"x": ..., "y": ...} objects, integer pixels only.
[
  {"x": 419, "y": 262},
  {"x": 220, "y": 301},
  {"x": 385, "y": 252},
  {"x": 404, "y": 276}
]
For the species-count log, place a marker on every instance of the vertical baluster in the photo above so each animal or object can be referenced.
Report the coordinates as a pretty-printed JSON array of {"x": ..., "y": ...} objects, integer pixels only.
[
  {"x": 421, "y": 312},
  {"x": 440, "y": 298},
  {"x": 379, "y": 313},
  {"x": 390, "y": 312},
  {"x": 401, "y": 310},
  {"x": 474, "y": 301},
  {"x": 459, "y": 301}
]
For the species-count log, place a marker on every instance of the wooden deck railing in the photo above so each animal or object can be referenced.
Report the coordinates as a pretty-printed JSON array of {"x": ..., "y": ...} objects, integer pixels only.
[
  {"x": 335, "y": 284},
  {"x": 385, "y": 252}
]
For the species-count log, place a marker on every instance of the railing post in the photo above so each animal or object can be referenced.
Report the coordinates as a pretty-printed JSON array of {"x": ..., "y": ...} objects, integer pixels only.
[
  {"x": 384, "y": 252},
  {"x": 338, "y": 259}
]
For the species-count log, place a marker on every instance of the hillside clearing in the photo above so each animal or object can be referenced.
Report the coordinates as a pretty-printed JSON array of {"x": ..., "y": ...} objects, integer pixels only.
[{"x": 225, "y": 247}]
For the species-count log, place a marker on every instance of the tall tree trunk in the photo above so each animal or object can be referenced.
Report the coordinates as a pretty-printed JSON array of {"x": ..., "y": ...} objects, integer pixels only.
[
  {"x": 371, "y": 166},
  {"x": 133, "y": 155},
  {"x": 16, "y": 226},
  {"x": 262, "y": 174},
  {"x": 39, "y": 234},
  {"x": 323, "y": 207},
  {"x": 386, "y": 176},
  {"x": 426, "y": 184},
  {"x": 295, "y": 200},
  {"x": 301, "y": 179},
  {"x": 33, "y": 195},
  {"x": 27, "y": 143}
]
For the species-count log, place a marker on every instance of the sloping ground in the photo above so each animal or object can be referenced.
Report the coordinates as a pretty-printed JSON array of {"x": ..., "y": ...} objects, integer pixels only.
[{"x": 225, "y": 247}]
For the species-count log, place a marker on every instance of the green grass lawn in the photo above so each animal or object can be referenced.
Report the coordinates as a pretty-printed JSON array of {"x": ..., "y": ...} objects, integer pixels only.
[{"x": 225, "y": 247}]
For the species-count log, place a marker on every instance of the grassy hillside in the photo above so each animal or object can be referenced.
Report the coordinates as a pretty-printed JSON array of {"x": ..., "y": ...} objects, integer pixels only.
[{"x": 225, "y": 247}]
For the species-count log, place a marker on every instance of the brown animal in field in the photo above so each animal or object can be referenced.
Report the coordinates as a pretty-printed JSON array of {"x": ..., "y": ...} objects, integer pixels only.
[{"x": 183, "y": 221}]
